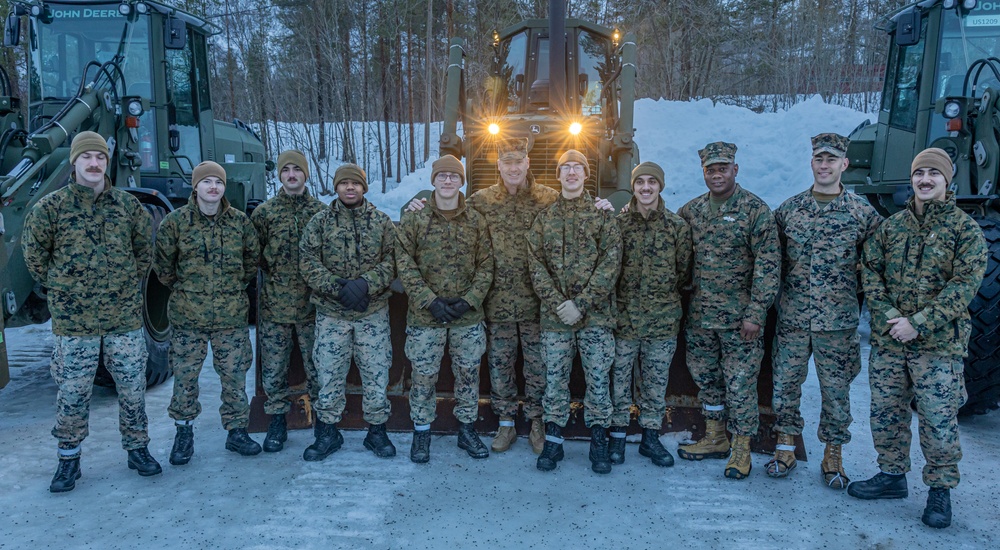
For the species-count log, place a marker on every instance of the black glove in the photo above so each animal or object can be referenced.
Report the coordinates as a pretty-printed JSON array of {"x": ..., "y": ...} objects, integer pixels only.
[
  {"x": 352, "y": 292},
  {"x": 457, "y": 306},
  {"x": 364, "y": 304},
  {"x": 439, "y": 309}
]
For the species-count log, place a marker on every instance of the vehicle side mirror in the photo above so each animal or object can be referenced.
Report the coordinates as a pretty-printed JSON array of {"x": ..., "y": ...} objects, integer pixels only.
[
  {"x": 174, "y": 138},
  {"x": 908, "y": 28},
  {"x": 519, "y": 85},
  {"x": 583, "y": 82},
  {"x": 12, "y": 30},
  {"x": 174, "y": 34}
]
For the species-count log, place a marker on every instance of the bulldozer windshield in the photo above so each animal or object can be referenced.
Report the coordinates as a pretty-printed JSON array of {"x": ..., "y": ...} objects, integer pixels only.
[{"x": 74, "y": 35}]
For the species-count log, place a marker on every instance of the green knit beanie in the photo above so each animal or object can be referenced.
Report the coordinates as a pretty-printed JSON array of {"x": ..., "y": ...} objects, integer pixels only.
[
  {"x": 87, "y": 141},
  {"x": 351, "y": 172},
  {"x": 574, "y": 156},
  {"x": 648, "y": 169},
  {"x": 206, "y": 169},
  {"x": 448, "y": 163},
  {"x": 293, "y": 156}
]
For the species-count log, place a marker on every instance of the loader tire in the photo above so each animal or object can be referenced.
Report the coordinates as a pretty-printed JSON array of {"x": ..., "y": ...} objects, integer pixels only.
[{"x": 982, "y": 366}]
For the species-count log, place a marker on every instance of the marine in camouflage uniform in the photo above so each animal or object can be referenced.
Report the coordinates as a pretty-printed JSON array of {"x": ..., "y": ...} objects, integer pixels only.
[
  {"x": 575, "y": 255},
  {"x": 89, "y": 244},
  {"x": 284, "y": 308},
  {"x": 822, "y": 231},
  {"x": 921, "y": 270},
  {"x": 207, "y": 254},
  {"x": 348, "y": 259},
  {"x": 656, "y": 263},
  {"x": 735, "y": 279},
  {"x": 512, "y": 309},
  {"x": 444, "y": 258}
]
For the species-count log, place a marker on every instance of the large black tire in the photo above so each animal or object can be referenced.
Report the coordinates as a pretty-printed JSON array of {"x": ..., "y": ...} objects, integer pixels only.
[
  {"x": 155, "y": 325},
  {"x": 982, "y": 366}
]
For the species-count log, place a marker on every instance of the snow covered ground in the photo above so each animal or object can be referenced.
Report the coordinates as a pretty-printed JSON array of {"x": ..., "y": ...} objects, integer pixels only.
[
  {"x": 354, "y": 500},
  {"x": 221, "y": 500}
]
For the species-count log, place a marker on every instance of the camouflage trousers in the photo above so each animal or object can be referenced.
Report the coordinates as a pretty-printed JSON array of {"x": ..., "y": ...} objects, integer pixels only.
[
  {"x": 725, "y": 368},
  {"x": 938, "y": 384},
  {"x": 74, "y": 365},
  {"x": 649, "y": 361},
  {"x": 597, "y": 352},
  {"x": 367, "y": 341},
  {"x": 425, "y": 349},
  {"x": 231, "y": 356},
  {"x": 276, "y": 345},
  {"x": 502, "y": 355},
  {"x": 837, "y": 356}
]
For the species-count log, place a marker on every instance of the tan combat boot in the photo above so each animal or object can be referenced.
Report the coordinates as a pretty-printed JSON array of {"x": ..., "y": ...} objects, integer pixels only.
[
  {"x": 784, "y": 457},
  {"x": 715, "y": 444},
  {"x": 506, "y": 435},
  {"x": 739, "y": 464},
  {"x": 833, "y": 468},
  {"x": 537, "y": 435}
]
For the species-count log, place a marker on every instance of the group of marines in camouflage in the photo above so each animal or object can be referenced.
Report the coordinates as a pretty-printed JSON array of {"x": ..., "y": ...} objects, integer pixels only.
[{"x": 518, "y": 264}]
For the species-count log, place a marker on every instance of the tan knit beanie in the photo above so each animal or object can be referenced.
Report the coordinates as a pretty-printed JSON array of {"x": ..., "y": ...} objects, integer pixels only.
[
  {"x": 574, "y": 156},
  {"x": 206, "y": 169},
  {"x": 87, "y": 141},
  {"x": 648, "y": 169},
  {"x": 934, "y": 158},
  {"x": 448, "y": 163},
  {"x": 350, "y": 171},
  {"x": 293, "y": 156}
]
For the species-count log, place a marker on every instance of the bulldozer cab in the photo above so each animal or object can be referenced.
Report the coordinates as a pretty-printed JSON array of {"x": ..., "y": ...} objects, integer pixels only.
[{"x": 936, "y": 49}]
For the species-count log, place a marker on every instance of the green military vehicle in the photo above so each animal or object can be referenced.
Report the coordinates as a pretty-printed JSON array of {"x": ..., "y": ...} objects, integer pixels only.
[
  {"x": 135, "y": 72},
  {"x": 942, "y": 89}
]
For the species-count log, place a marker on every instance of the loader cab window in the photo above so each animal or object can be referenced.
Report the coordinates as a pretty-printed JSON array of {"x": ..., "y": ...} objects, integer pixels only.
[
  {"x": 511, "y": 73},
  {"x": 903, "y": 89},
  {"x": 183, "y": 107},
  {"x": 78, "y": 34},
  {"x": 593, "y": 57}
]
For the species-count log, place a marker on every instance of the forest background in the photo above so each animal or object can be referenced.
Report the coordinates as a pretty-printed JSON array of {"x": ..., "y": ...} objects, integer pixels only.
[{"x": 356, "y": 80}]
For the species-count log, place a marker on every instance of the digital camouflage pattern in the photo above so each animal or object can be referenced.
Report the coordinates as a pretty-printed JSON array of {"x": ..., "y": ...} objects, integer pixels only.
[
  {"x": 207, "y": 262},
  {"x": 284, "y": 296},
  {"x": 232, "y": 357},
  {"x": 425, "y": 350},
  {"x": 648, "y": 361},
  {"x": 821, "y": 259},
  {"x": 509, "y": 218},
  {"x": 837, "y": 355},
  {"x": 276, "y": 343},
  {"x": 597, "y": 351},
  {"x": 835, "y": 144},
  {"x": 718, "y": 152},
  {"x": 73, "y": 366},
  {"x": 91, "y": 254},
  {"x": 367, "y": 341},
  {"x": 502, "y": 340},
  {"x": 575, "y": 254},
  {"x": 346, "y": 243},
  {"x": 438, "y": 257},
  {"x": 937, "y": 384},
  {"x": 656, "y": 264},
  {"x": 928, "y": 272},
  {"x": 725, "y": 368},
  {"x": 737, "y": 261}
]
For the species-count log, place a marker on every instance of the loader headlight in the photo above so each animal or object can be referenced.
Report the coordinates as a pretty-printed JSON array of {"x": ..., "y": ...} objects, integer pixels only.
[
  {"x": 575, "y": 128},
  {"x": 141, "y": 8},
  {"x": 124, "y": 8},
  {"x": 948, "y": 4},
  {"x": 493, "y": 128},
  {"x": 969, "y": 4},
  {"x": 135, "y": 108},
  {"x": 952, "y": 109}
]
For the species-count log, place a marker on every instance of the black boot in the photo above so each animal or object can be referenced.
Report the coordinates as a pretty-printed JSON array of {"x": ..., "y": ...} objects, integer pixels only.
[
  {"x": 239, "y": 442},
  {"x": 616, "y": 445},
  {"x": 420, "y": 450},
  {"x": 937, "y": 514},
  {"x": 468, "y": 440},
  {"x": 328, "y": 441},
  {"x": 882, "y": 485},
  {"x": 599, "y": 461},
  {"x": 183, "y": 445},
  {"x": 66, "y": 475},
  {"x": 277, "y": 434},
  {"x": 378, "y": 442},
  {"x": 143, "y": 462},
  {"x": 552, "y": 450},
  {"x": 652, "y": 449}
]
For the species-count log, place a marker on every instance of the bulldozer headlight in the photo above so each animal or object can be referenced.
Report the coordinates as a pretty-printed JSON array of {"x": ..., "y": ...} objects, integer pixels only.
[
  {"x": 124, "y": 8},
  {"x": 36, "y": 10},
  {"x": 969, "y": 4},
  {"x": 494, "y": 128},
  {"x": 948, "y": 4},
  {"x": 575, "y": 128},
  {"x": 141, "y": 8},
  {"x": 952, "y": 109},
  {"x": 135, "y": 108}
]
